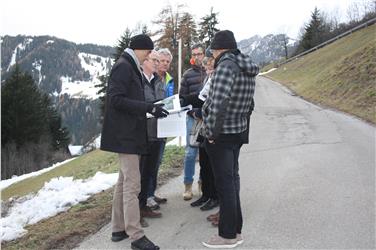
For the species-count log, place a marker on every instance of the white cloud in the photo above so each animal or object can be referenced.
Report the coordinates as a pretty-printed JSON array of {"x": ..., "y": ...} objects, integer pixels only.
[{"x": 103, "y": 22}]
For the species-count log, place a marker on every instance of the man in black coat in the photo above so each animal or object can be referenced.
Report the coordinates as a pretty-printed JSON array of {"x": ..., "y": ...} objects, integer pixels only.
[
  {"x": 124, "y": 132},
  {"x": 191, "y": 84}
]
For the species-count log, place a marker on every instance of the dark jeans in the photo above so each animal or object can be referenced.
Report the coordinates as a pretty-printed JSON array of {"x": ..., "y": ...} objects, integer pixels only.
[
  {"x": 206, "y": 175},
  {"x": 154, "y": 176},
  {"x": 149, "y": 164},
  {"x": 224, "y": 160}
]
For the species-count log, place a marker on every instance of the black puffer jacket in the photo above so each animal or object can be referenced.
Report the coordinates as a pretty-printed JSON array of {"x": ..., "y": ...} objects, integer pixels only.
[{"x": 192, "y": 80}]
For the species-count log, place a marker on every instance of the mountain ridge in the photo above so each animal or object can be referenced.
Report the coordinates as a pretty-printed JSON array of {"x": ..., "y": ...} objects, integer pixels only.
[{"x": 68, "y": 72}]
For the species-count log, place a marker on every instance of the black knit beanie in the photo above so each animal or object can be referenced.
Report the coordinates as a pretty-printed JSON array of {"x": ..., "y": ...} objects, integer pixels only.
[
  {"x": 141, "y": 42},
  {"x": 223, "y": 39}
]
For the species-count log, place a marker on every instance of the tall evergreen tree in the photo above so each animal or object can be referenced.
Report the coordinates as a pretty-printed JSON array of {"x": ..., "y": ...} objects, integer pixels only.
[
  {"x": 28, "y": 114},
  {"x": 23, "y": 119},
  {"x": 31, "y": 132},
  {"x": 314, "y": 32},
  {"x": 187, "y": 31},
  {"x": 208, "y": 27},
  {"x": 123, "y": 43},
  {"x": 60, "y": 138}
]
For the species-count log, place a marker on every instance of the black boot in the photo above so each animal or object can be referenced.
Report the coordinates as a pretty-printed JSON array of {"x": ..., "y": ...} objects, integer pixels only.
[
  {"x": 143, "y": 243},
  {"x": 199, "y": 202},
  {"x": 210, "y": 204},
  {"x": 118, "y": 236}
]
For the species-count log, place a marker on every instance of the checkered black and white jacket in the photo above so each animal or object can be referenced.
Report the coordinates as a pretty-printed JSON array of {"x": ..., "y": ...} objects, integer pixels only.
[{"x": 228, "y": 105}]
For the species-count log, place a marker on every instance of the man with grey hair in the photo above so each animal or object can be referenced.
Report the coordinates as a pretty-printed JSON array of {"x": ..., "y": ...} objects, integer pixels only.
[{"x": 165, "y": 59}]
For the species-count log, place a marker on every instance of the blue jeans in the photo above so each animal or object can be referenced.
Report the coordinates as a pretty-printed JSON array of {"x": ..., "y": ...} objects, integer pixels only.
[{"x": 190, "y": 155}]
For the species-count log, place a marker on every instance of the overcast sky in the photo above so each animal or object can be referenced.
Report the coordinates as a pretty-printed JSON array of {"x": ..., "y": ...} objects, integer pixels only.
[{"x": 103, "y": 22}]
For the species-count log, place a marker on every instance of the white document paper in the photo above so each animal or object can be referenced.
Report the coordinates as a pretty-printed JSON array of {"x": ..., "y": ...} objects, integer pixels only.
[
  {"x": 173, "y": 125},
  {"x": 171, "y": 104}
]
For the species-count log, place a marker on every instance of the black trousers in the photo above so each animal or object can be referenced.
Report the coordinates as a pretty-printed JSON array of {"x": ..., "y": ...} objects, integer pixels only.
[
  {"x": 224, "y": 158},
  {"x": 149, "y": 164},
  {"x": 206, "y": 175}
]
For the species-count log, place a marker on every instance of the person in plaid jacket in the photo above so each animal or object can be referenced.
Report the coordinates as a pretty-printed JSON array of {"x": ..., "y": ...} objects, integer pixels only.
[{"x": 226, "y": 114}]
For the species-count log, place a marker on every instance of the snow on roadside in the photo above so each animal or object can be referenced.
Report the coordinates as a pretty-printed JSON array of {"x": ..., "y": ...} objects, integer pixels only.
[
  {"x": 264, "y": 73},
  {"x": 56, "y": 196},
  {"x": 8, "y": 182}
]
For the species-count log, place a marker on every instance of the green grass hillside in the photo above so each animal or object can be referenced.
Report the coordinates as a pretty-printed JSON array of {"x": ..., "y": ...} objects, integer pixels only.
[
  {"x": 82, "y": 167},
  {"x": 340, "y": 75}
]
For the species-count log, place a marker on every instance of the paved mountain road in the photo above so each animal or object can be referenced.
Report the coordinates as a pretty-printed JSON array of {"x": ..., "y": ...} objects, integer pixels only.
[{"x": 307, "y": 181}]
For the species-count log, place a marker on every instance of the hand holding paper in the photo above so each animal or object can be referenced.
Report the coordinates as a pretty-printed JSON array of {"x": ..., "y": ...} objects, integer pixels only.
[{"x": 157, "y": 111}]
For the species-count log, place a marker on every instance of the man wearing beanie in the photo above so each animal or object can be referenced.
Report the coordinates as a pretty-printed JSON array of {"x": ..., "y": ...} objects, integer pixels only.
[
  {"x": 124, "y": 132},
  {"x": 226, "y": 114}
]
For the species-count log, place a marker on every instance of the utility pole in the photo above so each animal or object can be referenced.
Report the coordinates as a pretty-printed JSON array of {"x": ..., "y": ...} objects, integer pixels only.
[{"x": 179, "y": 74}]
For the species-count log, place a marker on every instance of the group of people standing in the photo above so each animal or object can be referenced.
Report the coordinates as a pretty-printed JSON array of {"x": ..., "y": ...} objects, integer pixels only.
[{"x": 220, "y": 86}]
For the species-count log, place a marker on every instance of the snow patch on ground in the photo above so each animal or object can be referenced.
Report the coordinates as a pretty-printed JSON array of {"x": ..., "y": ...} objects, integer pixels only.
[{"x": 57, "y": 195}]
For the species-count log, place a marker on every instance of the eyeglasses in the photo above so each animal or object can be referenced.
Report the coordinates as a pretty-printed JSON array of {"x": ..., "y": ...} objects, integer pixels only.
[
  {"x": 154, "y": 60},
  {"x": 198, "y": 54}
]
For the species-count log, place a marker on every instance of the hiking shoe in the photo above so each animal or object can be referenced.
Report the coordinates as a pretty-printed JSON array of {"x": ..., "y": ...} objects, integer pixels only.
[
  {"x": 210, "y": 204},
  {"x": 143, "y": 243},
  {"x": 152, "y": 204},
  {"x": 200, "y": 201},
  {"x": 160, "y": 200},
  {"x": 217, "y": 241},
  {"x": 148, "y": 213},
  {"x": 118, "y": 236}
]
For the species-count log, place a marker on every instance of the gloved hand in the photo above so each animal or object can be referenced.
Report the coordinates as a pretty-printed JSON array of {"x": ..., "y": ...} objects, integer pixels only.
[
  {"x": 157, "y": 111},
  {"x": 183, "y": 101}
]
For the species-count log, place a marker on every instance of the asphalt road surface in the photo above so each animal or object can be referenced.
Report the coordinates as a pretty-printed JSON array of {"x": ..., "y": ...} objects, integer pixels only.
[{"x": 307, "y": 181}]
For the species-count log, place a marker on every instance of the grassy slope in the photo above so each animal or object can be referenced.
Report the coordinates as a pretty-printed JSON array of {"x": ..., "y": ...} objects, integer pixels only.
[
  {"x": 81, "y": 168},
  {"x": 341, "y": 75},
  {"x": 67, "y": 229}
]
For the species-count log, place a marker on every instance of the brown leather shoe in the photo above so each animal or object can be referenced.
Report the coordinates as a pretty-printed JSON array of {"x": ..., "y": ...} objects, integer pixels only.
[
  {"x": 215, "y": 223},
  {"x": 213, "y": 216},
  {"x": 160, "y": 200},
  {"x": 148, "y": 213}
]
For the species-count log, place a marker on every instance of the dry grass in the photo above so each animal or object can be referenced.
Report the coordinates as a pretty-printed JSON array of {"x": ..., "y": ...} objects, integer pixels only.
[{"x": 341, "y": 75}]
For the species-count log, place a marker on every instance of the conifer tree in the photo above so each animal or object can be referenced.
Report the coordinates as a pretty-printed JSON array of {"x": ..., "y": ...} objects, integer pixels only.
[
  {"x": 28, "y": 114},
  {"x": 187, "y": 31},
  {"x": 208, "y": 27},
  {"x": 314, "y": 32},
  {"x": 31, "y": 132},
  {"x": 23, "y": 119},
  {"x": 123, "y": 43}
]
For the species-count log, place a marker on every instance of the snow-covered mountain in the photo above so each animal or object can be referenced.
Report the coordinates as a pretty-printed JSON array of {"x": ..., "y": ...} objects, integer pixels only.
[
  {"x": 269, "y": 48},
  {"x": 68, "y": 72},
  {"x": 58, "y": 66}
]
